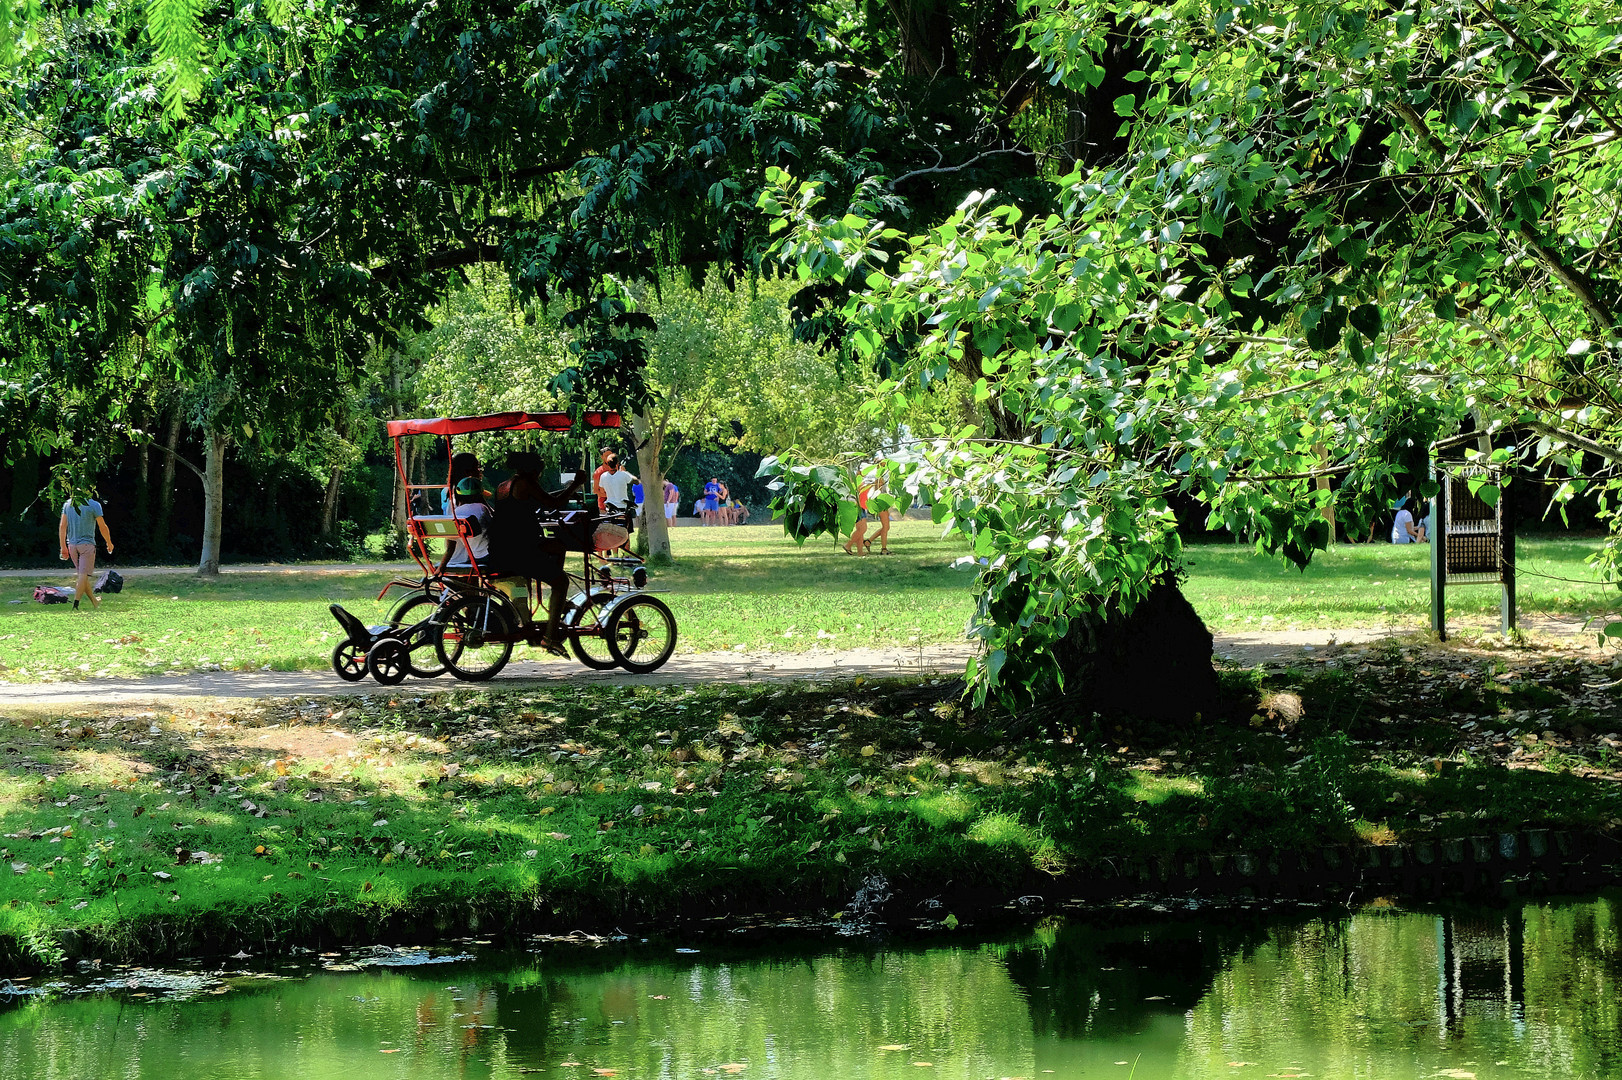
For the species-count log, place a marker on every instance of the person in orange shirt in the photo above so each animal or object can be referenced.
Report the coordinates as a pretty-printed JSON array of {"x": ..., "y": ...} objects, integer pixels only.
[{"x": 603, "y": 469}]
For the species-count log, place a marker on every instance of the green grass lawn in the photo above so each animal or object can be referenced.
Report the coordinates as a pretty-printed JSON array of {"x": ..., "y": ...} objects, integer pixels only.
[
  {"x": 749, "y": 586},
  {"x": 1381, "y": 584},
  {"x": 746, "y": 585}
]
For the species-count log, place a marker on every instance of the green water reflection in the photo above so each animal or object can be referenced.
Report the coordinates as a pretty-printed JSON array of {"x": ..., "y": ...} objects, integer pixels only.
[{"x": 1377, "y": 996}]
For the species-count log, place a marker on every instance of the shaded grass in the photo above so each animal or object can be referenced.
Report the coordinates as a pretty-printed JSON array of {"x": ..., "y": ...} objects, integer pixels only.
[{"x": 152, "y": 830}]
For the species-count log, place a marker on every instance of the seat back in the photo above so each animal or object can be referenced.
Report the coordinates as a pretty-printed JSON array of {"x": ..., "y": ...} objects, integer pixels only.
[
  {"x": 353, "y": 627},
  {"x": 434, "y": 527}
]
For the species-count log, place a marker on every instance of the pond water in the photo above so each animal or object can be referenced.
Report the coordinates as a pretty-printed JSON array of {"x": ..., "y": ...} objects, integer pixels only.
[{"x": 1380, "y": 995}]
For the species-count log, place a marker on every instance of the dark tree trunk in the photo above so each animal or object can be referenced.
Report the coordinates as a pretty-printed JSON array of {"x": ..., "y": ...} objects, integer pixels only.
[
  {"x": 926, "y": 37},
  {"x": 142, "y": 517},
  {"x": 329, "y": 502},
  {"x": 166, "y": 482},
  {"x": 1153, "y": 663}
]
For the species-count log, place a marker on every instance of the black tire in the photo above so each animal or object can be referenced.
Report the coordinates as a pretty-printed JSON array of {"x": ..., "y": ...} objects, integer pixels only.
[
  {"x": 389, "y": 661},
  {"x": 349, "y": 661},
  {"x": 413, "y": 609},
  {"x": 642, "y": 634},
  {"x": 592, "y": 649},
  {"x": 476, "y": 639}
]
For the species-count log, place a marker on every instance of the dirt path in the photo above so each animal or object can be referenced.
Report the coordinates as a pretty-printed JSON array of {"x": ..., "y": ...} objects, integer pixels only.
[{"x": 1245, "y": 648}]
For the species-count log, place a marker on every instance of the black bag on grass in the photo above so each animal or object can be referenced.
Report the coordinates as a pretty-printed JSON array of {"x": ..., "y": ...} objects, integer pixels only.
[
  {"x": 110, "y": 581},
  {"x": 52, "y": 594}
]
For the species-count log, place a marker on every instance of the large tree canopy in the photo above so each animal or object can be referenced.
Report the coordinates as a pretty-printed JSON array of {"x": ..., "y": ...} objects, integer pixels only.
[{"x": 1323, "y": 219}]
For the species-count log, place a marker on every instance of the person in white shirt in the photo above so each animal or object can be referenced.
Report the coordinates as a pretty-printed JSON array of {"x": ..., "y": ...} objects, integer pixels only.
[
  {"x": 470, "y": 506},
  {"x": 1403, "y": 530},
  {"x": 616, "y": 487}
]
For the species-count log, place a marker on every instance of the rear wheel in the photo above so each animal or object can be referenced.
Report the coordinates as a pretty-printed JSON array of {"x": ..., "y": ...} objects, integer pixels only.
[
  {"x": 475, "y": 639},
  {"x": 642, "y": 634},
  {"x": 590, "y": 648},
  {"x": 349, "y": 661},
  {"x": 422, "y": 657},
  {"x": 389, "y": 661}
]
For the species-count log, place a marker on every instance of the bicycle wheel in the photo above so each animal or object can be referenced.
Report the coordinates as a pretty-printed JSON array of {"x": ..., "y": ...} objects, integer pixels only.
[
  {"x": 410, "y": 611},
  {"x": 349, "y": 661},
  {"x": 642, "y": 634},
  {"x": 389, "y": 661},
  {"x": 476, "y": 638},
  {"x": 591, "y": 649}
]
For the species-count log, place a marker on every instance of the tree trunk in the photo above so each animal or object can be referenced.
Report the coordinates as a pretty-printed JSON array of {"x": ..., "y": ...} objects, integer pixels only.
[
  {"x": 215, "y": 445},
  {"x": 166, "y": 482},
  {"x": 653, "y": 487},
  {"x": 24, "y": 484},
  {"x": 1154, "y": 663},
  {"x": 329, "y": 502},
  {"x": 926, "y": 37},
  {"x": 142, "y": 518}
]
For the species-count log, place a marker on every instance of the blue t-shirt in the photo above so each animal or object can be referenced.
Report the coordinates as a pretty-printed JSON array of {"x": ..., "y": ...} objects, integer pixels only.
[
  {"x": 636, "y": 493},
  {"x": 712, "y": 490},
  {"x": 82, "y": 521}
]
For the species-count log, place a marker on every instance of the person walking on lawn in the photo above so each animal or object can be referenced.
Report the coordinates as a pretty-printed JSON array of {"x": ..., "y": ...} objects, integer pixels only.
[
  {"x": 672, "y": 503},
  {"x": 77, "y": 533}
]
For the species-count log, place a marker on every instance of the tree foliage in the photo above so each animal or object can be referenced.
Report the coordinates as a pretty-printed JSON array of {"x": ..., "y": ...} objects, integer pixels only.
[{"x": 1319, "y": 216}]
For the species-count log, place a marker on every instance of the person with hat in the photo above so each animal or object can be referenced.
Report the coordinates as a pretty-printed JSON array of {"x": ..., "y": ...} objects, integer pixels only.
[
  {"x": 468, "y": 498},
  {"x": 1404, "y": 530}
]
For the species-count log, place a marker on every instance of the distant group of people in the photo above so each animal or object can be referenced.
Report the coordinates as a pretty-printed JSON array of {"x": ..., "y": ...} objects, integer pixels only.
[{"x": 718, "y": 507}]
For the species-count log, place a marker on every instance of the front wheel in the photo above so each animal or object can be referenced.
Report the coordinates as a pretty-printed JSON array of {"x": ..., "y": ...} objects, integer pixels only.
[
  {"x": 590, "y": 648},
  {"x": 475, "y": 637},
  {"x": 349, "y": 661},
  {"x": 642, "y": 634}
]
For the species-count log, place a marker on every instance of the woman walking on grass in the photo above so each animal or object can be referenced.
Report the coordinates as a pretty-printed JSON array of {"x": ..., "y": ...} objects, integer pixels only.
[{"x": 77, "y": 533}]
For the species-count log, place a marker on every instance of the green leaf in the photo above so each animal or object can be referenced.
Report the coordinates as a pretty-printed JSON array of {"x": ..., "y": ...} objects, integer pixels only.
[
  {"x": 1366, "y": 318},
  {"x": 1126, "y": 105}
]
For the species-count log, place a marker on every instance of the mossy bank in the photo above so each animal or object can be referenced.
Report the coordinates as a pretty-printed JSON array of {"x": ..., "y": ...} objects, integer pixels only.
[{"x": 158, "y": 832}]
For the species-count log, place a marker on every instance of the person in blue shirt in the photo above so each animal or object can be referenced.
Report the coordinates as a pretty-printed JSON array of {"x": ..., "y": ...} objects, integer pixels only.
[
  {"x": 712, "y": 500},
  {"x": 81, "y": 517},
  {"x": 636, "y": 497}
]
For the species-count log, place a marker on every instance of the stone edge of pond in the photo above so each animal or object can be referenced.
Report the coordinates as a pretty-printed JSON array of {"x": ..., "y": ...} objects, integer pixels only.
[{"x": 1497, "y": 867}]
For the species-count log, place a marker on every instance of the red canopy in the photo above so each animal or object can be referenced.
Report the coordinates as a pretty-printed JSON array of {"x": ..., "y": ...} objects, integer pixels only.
[{"x": 506, "y": 421}]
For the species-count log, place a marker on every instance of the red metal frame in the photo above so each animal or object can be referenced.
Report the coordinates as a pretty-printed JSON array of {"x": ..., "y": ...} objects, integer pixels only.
[{"x": 445, "y": 427}]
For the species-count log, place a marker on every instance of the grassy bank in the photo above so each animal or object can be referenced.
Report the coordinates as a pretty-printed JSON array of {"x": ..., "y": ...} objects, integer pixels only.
[
  {"x": 750, "y": 587},
  {"x": 153, "y": 831}
]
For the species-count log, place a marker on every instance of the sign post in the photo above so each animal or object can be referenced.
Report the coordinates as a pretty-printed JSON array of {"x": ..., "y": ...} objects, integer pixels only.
[{"x": 1471, "y": 542}]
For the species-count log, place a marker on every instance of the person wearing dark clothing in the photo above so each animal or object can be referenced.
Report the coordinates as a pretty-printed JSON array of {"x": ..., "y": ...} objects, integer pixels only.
[{"x": 520, "y": 545}]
